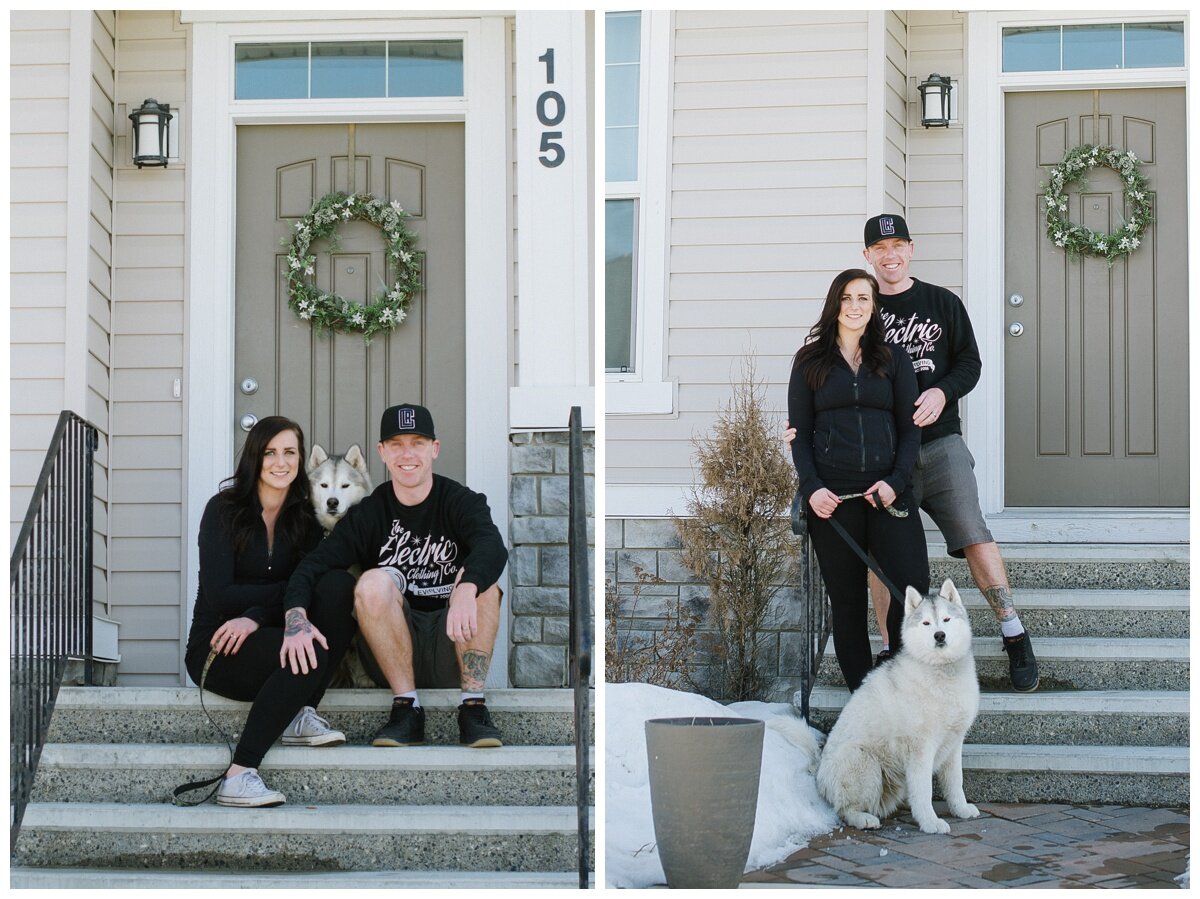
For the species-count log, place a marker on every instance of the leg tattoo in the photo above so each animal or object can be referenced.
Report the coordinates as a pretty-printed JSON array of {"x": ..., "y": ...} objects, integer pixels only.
[
  {"x": 475, "y": 668},
  {"x": 1001, "y": 601}
]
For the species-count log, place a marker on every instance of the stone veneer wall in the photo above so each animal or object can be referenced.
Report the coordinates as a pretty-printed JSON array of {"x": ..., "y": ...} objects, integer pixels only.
[
  {"x": 653, "y": 545},
  {"x": 539, "y": 501}
]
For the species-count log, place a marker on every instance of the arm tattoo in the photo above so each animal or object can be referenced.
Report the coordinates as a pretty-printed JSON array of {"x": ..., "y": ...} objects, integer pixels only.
[
  {"x": 296, "y": 623},
  {"x": 475, "y": 668},
  {"x": 1001, "y": 601}
]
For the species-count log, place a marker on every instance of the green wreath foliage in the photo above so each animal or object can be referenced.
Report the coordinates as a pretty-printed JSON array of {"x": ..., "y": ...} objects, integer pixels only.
[
  {"x": 330, "y": 311},
  {"x": 1078, "y": 240}
]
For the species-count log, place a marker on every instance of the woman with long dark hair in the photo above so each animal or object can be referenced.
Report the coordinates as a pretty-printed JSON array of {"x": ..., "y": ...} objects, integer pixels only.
[
  {"x": 850, "y": 399},
  {"x": 252, "y": 535}
]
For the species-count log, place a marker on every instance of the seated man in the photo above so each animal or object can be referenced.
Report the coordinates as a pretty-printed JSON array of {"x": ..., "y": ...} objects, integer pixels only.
[{"x": 428, "y": 601}]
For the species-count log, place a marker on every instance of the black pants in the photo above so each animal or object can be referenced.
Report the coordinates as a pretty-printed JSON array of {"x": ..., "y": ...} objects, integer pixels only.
[
  {"x": 253, "y": 673},
  {"x": 896, "y": 544}
]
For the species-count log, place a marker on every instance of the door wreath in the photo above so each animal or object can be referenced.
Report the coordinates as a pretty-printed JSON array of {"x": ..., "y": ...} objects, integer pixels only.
[
  {"x": 1078, "y": 240},
  {"x": 329, "y": 311}
]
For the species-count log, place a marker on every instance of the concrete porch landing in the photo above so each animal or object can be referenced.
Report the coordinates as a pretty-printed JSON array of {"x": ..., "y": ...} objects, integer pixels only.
[{"x": 1048, "y": 846}]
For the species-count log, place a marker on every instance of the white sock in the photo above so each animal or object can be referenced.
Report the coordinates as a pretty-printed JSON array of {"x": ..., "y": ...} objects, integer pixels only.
[
  {"x": 411, "y": 694},
  {"x": 1012, "y": 627},
  {"x": 466, "y": 696}
]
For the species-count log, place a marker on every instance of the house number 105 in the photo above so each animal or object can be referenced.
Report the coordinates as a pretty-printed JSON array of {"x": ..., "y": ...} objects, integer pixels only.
[{"x": 551, "y": 110}]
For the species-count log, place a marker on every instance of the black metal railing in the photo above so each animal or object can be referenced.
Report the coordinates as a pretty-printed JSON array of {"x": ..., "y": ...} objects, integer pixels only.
[
  {"x": 814, "y": 613},
  {"x": 581, "y": 634},
  {"x": 51, "y": 599}
]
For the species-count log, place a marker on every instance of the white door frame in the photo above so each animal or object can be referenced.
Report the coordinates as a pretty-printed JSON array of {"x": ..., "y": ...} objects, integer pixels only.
[
  {"x": 984, "y": 284},
  {"x": 208, "y": 372}
]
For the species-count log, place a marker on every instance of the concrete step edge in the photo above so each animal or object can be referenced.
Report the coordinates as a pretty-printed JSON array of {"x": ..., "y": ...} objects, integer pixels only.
[
  {"x": 1083, "y": 649},
  {"x": 1172, "y": 760},
  {"x": 329, "y": 820},
  {"x": 345, "y": 758},
  {"x": 1085, "y": 702},
  {"x": 116, "y": 878},
  {"x": 1169, "y": 553},
  {"x": 1131, "y": 600},
  {"x": 559, "y": 701}
]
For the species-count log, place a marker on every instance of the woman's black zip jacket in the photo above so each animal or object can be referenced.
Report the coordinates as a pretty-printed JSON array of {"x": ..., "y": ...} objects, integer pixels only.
[{"x": 855, "y": 427}]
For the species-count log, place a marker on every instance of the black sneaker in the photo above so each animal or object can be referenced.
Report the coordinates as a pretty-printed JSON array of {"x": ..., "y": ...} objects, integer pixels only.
[
  {"x": 1022, "y": 666},
  {"x": 405, "y": 726},
  {"x": 884, "y": 655},
  {"x": 475, "y": 728}
]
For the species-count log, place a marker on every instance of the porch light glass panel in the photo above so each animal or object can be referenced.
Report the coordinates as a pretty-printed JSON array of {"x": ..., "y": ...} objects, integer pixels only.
[
  {"x": 425, "y": 69},
  {"x": 352, "y": 69},
  {"x": 620, "y": 228},
  {"x": 622, "y": 79},
  {"x": 1091, "y": 47},
  {"x": 271, "y": 71}
]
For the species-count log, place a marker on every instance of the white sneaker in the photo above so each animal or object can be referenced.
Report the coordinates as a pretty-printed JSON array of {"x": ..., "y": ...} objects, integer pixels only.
[
  {"x": 247, "y": 790},
  {"x": 310, "y": 729}
]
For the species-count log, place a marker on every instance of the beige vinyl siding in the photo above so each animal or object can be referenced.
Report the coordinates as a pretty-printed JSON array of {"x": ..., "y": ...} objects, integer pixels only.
[
  {"x": 39, "y": 79},
  {"x": 936, "y": 43},
  {"x": 896, "y": 90},
  {"x": 768, "y": 194},
  {"x": 147, "y": 549}
]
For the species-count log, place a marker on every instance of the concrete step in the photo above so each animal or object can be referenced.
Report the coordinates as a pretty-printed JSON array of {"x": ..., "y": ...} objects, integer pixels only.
[
  {"x": 174, "y": 715},
  {"x": 1069, "y": 663},
  {"x": 1077, "y": 566},
  {"x": 299, "y": 838},
  {"x": 1129, "y": 718},
  {"x": 340, "y": 775},
  {"x": 115, "y": 879},
  {"x": 1107, "y": 775},
  {"x": 1082, "y": 613}
]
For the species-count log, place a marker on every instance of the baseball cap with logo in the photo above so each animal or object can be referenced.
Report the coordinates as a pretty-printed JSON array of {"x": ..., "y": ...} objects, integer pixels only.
[
  {"x": 406, "y": 419},
  {"x": 881, "y": 227}
]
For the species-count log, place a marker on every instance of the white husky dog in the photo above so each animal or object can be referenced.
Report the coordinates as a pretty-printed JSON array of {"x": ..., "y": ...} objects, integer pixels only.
[
  {"x": 338, "y": 482},
  {"x": 907, "y": 721}
]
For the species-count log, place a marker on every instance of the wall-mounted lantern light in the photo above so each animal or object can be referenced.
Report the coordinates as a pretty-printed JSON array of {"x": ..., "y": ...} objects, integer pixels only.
[
  {"x": 935, "y": 101},
  {"x": 151, "y": 133}
]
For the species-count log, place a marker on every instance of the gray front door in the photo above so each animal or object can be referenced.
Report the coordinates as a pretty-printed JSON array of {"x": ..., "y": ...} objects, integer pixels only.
[
  {"x": 1096, "y": 384},
  {"x": 336, "y": 386}
]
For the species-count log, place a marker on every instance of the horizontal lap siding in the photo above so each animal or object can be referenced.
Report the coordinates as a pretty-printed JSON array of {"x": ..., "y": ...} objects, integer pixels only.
[
  {"x": 768, "y": 192},
  {"x": 896, "y": 92},
  {"x": 147, "y": 545}
]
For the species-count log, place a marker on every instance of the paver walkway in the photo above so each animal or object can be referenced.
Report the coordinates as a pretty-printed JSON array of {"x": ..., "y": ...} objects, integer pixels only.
[{"x": 1006, "y": 846}]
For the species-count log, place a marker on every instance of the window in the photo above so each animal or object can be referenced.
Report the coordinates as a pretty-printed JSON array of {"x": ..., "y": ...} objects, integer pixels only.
[
  {"x": 1063, "y": 48},
  {"x": 348, "y": 69},
  {"x": 637, "y": 158}
]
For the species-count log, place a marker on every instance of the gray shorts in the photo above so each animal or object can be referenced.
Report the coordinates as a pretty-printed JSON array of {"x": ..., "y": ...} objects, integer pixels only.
[
  {"x": 943, "y": 484},
  {"x": 435, "y": 661}
]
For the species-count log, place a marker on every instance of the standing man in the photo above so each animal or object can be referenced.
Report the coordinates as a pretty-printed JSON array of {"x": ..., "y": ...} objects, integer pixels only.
[
  {"x": 428, "y": 601},
  {"x": 930, "y": 323}
]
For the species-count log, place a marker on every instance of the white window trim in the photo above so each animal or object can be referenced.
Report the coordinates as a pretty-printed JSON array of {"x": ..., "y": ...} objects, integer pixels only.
[
  {"x": 209, "y": 408},
  {"x": 984, "y": 262},
  {"x": 646, "y": 390}
]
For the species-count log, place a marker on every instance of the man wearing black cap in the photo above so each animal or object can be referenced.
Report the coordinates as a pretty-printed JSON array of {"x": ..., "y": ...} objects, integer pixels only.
[
  {"x": 930, "y": 323},
  {"x": 428, "y": 601}
]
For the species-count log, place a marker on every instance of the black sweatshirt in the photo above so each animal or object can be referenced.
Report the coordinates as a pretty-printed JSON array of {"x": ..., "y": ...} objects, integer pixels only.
[
  {"x": 246, "y": 585},
  {"x": 427, "y": 544},
  {"x": 932, "y": 324},
  {"x": 854, "y": 428}
]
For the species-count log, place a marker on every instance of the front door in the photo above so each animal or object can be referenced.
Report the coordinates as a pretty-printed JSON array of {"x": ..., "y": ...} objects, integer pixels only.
[
  {"x": 1096, "y": 385},
  {"x": 336, "y": 386}
]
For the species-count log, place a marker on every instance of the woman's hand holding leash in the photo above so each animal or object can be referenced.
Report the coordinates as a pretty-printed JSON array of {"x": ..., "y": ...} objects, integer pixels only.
[
  {"x": 232, "y": 634},
  {"x": 884, "y": 492},
  {"x": 824, "y": 502},
  {"x": 298, "y": 636}
]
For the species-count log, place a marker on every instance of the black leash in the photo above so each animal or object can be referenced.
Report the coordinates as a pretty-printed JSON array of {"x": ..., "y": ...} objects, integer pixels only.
[
  {"x": 214, "y": 782},
  {"x": 800, "y": 529}
]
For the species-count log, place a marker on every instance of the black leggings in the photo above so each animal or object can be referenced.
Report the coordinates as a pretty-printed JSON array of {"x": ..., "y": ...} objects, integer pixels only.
[
  {"x": 896, "y": 544},
  {"x": 253, "y": 673}
]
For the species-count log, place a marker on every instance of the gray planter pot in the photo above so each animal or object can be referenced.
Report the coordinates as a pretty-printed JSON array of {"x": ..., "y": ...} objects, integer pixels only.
[{"x": 704, "y": 795}]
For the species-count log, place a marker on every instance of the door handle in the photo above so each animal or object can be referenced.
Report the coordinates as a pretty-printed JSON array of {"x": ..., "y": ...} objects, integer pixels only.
[
  {"x": 248, "y": 421},
  {"x": 1016, "y": 329}
]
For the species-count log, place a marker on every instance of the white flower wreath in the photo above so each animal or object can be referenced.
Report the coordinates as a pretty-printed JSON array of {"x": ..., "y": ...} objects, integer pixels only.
[
  {"x": 329, "y": 311},
  {"x": 1078, "y": 240}
]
